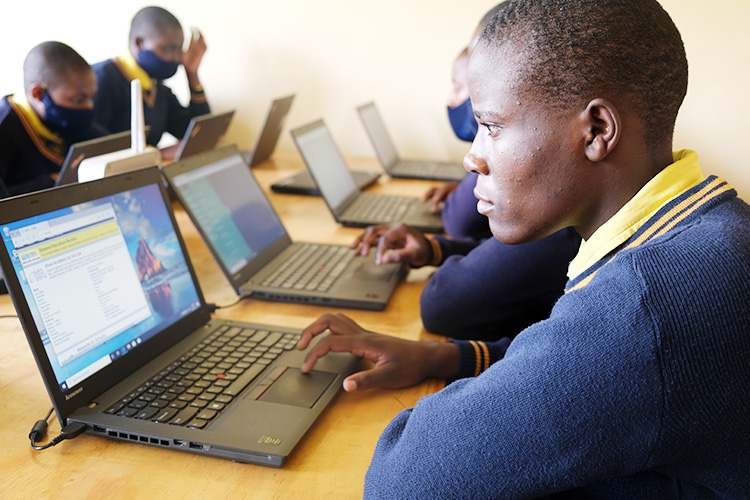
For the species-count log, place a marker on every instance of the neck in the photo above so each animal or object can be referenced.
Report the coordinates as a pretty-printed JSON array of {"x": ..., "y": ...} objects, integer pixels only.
[{"x": 620, "y": 178}]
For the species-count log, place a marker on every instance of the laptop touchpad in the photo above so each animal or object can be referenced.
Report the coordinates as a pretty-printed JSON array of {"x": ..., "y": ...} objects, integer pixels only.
[{"x": 297, "y": 389}]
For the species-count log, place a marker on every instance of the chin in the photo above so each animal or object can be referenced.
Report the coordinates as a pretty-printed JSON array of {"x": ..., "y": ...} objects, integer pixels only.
[{"x": 511, "y": 234}]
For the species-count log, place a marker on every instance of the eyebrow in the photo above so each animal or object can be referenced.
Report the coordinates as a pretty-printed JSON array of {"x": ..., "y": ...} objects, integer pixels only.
[{"x": 487, "y": 114}]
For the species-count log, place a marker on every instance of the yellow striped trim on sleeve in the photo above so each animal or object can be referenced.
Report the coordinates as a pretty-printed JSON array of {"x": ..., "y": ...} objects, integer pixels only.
[
  {"x": 482, "y": 355},
  {"x": 198, "y": 98}
]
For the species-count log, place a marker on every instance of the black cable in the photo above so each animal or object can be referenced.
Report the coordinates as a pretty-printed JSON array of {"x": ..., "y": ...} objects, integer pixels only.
[
  {"x": 214, "y": 307},
  {"x": 39, "y": 430},
  {"x": 9, "y": 316}
]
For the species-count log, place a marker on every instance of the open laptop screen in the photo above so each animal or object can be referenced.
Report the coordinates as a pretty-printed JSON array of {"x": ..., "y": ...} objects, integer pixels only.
[
  {"x": 232, "y": 210},
  {"x": 378, "y": 134},
  {"x": 328, "y": 168},
  {"x": 100, "y": 278}
]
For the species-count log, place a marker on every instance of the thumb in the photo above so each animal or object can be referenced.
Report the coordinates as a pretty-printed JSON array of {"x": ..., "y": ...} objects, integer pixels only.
[{"x": 373, "y": 378}]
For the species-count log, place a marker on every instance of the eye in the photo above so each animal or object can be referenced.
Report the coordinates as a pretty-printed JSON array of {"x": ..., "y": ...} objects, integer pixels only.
[{"x": 492, "y": 128}]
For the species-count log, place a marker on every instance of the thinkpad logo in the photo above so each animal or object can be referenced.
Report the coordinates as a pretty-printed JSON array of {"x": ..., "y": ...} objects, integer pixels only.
[{"x": 270, "y": 440}]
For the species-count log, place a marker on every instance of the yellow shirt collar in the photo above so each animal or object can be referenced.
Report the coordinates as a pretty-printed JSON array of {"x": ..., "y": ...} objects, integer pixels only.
[
  {"x": 34, "y": 120},
  {"x": 674, "y": 180},
  {"x": 134, "y": 71}
]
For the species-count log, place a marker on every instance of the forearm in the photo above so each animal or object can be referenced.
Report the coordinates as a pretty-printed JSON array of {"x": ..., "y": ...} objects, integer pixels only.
[{"x": 198, "y": 101}]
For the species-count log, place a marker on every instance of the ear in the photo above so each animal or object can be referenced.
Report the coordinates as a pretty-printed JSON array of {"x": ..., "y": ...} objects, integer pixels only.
[
  {"x": 36, "y": 91},
  {"x": 602, "y": 128},
  {"x": 138, "y": 43}
]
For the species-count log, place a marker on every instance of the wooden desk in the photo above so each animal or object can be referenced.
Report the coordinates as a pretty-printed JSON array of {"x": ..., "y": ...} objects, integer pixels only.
[{"x": 331, "y": 460}]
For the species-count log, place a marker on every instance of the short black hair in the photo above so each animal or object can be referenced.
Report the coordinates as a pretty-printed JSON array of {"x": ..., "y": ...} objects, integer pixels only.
[
  {"x": 50, "y": 63},
  {"x": 150, "y": 20},
  {"x": 490, "y": 14},
  {"x": 577, "y": 50}
]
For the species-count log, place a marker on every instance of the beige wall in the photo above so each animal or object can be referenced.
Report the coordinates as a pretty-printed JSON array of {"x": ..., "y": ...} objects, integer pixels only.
[{"x": 337, "y": 54}]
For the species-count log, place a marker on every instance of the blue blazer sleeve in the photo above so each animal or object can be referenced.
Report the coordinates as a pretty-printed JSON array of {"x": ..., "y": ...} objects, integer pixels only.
[
  {"x": 178, "y": 116},
  {"x": 495, "y": 289}
]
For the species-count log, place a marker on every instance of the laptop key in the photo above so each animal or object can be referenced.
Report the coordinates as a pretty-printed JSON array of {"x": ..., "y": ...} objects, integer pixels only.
[
  {"x": 206, "y": 414},
  {"x": 127, "y": 412},
  {"x": 184, "y": 416},
  {"x": 198, "y": 424},
  {"x": 165, "y": 415},
  {"x": 271, "y": 339},
  {"x": 147, "y": 413},
  {"x": 243, "y": 381}
]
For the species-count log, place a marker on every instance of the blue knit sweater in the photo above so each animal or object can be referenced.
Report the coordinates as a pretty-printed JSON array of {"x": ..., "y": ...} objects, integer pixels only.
[
  {"x": 164, "y": 114},
  {"x": 637, "y": 386}
]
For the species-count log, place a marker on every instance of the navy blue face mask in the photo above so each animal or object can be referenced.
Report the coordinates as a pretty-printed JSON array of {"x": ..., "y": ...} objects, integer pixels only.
[
  {"x": 72, "y": 124},
  {"x": 463, "y": 122},
  {"x": 156, "y": 67}
]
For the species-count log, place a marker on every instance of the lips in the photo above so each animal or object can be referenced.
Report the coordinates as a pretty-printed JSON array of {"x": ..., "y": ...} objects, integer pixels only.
[{"x": 483, "y": 204}]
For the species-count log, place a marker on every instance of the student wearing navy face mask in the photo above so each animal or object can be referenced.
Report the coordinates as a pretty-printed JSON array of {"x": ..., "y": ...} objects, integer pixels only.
[
  {"x": 154, "y": 55},
  {"x": 460, "y": 217},
  {"x": 37, "y": 125}
]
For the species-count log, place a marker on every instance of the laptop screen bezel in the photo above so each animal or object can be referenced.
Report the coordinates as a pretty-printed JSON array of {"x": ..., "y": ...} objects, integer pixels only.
[
  {"x": 339, "y": 209},
  {"x": 373, "y": 140},
  {"x": 238, "y": 278},
  {"x": 50, "y": 200}
]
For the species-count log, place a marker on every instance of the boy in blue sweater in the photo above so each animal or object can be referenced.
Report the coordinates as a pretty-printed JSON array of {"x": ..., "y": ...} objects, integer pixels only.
[
  {"x": 154, "y": 54},
  {"x": 638, "y": 385},
  {"x": 38, "y": 125}
]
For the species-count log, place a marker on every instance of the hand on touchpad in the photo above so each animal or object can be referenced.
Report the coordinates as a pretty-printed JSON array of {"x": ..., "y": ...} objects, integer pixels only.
[{"x": 298, "y": 389}]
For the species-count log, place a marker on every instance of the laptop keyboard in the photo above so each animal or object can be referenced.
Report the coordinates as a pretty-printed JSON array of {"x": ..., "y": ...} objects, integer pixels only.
[
  {"x": 380, "y": 208},
  {"x": 426, "y": 169},
  {"x": 195, "y": 389},
  {"x": 311, "y": 267}
]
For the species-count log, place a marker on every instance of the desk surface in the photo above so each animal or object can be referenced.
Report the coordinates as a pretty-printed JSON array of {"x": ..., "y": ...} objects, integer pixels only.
[{"x": 331, "y": 460}]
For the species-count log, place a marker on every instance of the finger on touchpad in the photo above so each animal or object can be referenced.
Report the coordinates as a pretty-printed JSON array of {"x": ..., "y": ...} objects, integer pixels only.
[{"x": 298, "y": 389}]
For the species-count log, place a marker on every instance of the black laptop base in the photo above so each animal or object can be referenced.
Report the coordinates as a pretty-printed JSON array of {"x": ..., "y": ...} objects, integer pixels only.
[{"x": 303, "y": 183}]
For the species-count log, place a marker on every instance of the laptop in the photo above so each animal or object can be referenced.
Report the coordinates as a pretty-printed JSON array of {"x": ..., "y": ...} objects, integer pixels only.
[
  {"x": 348, "y": 204},
  {"x": 271, "y": 131},
  {"x": 303, "y": 183},
  {"x": 124, "y": 339},
  {"x": 88, "y": 149},
  {"x": 203, "y": 134},
  {"x": 252, "y": 247},
  {"x": 392, "y": 164}
]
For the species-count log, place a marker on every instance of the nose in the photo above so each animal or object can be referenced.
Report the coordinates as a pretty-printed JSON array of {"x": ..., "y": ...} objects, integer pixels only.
[{"x": 475, "y": 163}]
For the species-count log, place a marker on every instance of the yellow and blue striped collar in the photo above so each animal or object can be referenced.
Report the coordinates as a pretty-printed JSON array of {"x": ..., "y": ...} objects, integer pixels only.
[
  {"x": 32, "y": 119},
  {"x": 132, "y": 71},
  {"x": 674, "y": 180}
]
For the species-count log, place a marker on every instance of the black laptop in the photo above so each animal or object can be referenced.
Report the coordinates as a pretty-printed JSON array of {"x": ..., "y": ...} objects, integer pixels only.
[
  {"x": 88, "y": 149},
  {"x": 253, "y": 248},
  {"x": 125, "y": 342},
  {"x": 271, "y": 131},
  {"x": 348, "y": 204},
  {"x": 204, "y": 133},
  {"x": 397, "y": 167}
]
